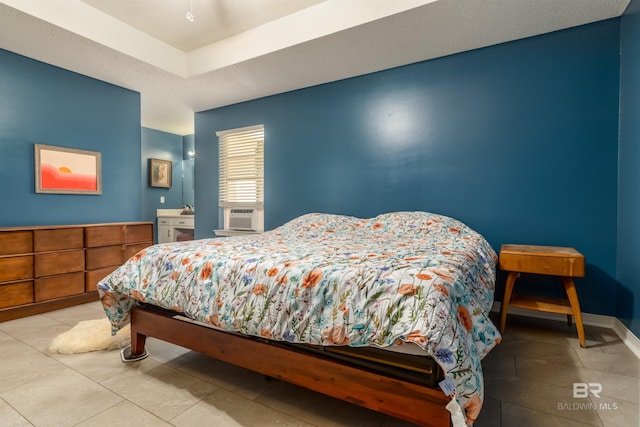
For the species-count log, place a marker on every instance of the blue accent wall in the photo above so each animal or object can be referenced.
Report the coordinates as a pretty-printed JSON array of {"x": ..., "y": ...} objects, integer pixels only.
[
  {"x": 517, "y": 140},
  {"x": 43, "y": 104},
  {"x": 629, "y": 161},
  {"x": 164, "y": 146}
]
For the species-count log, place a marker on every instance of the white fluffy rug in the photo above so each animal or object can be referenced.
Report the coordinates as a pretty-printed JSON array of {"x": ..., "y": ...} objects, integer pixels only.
[{"x": 90, "y": 335}]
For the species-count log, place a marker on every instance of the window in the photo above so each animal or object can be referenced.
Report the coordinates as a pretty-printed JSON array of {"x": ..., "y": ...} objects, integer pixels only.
[{"x": 241, "y": 161}]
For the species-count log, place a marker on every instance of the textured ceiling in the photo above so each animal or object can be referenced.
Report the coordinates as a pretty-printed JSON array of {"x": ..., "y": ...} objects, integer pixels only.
[{"x": 236, "y": 50}]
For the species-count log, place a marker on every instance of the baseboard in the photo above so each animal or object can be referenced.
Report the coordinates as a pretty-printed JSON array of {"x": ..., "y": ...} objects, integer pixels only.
[
  {"x": 627, "y": 337},
  {"x": 599, "y": 320}
]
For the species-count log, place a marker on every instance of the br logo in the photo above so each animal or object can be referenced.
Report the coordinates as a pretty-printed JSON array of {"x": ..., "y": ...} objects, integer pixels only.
[{"x": 582, "y": 390}]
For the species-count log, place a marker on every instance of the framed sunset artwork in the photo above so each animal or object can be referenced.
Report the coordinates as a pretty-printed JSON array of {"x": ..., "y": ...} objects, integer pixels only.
[{"x": 61, "y": 170}]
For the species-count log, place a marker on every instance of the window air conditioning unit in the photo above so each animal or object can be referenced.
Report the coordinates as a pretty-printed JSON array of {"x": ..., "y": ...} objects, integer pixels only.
[{"x": 243, "y": 219}]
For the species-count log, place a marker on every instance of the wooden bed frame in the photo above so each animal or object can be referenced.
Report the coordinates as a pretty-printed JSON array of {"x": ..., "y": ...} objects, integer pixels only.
[{"x": 399, "y": 398}]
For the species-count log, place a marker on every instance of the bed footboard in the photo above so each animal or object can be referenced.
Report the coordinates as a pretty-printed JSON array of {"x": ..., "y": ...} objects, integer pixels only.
[{"x": 402, "y": 399}]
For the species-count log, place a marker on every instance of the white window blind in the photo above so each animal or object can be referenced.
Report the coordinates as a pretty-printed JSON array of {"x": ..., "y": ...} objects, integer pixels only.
[{"x": 241, "y": 157}]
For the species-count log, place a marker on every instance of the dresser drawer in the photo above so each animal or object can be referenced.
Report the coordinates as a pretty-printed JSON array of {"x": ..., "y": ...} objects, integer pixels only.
[
  {"x": 134, "y": 249},
  {"x": 104, "y": 235},
  {"x": 58, "y": 239},
  {"x": 59, "y": 286},
  {"x": 16, "y": 268},
  {"x": 139, "y": 233},
  {"x": 16, "y": 294},
  {"x": 94, "y": 276},
  {"x": 16, "y": 242},
  {"x": 104, "y": 257},
  {"x": 50, "y": 263}
]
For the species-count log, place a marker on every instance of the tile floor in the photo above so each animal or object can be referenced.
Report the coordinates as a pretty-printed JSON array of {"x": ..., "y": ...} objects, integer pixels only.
[{"x": 529, "y": 382}]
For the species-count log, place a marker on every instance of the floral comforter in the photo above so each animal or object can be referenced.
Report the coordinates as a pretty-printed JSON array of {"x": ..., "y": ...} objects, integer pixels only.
[{"x": 332, "y": 280}]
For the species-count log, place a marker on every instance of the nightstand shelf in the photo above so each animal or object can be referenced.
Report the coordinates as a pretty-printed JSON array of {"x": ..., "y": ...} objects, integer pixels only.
[{"x": 550, "y": 305}]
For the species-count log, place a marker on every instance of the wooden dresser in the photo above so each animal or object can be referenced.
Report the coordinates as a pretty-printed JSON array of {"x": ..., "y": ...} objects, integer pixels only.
[{"x": 45, "y": 268}]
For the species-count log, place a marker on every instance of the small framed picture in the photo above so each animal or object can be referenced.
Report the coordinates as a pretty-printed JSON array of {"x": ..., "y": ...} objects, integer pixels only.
[
  {"x": 160, "y": 173},
  {"x": 61, "y": 170}
]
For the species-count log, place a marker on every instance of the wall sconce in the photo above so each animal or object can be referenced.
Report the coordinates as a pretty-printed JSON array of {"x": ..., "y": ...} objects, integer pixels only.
[{"x": 191, "y": 153}]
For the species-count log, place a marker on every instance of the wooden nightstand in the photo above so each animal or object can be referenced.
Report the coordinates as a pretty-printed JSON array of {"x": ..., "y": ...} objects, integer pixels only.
[{"x": 565, "y": 263}]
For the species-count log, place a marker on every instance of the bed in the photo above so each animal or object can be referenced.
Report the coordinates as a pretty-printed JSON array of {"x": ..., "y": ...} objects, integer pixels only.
[{"x": 268, "y": 302}]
